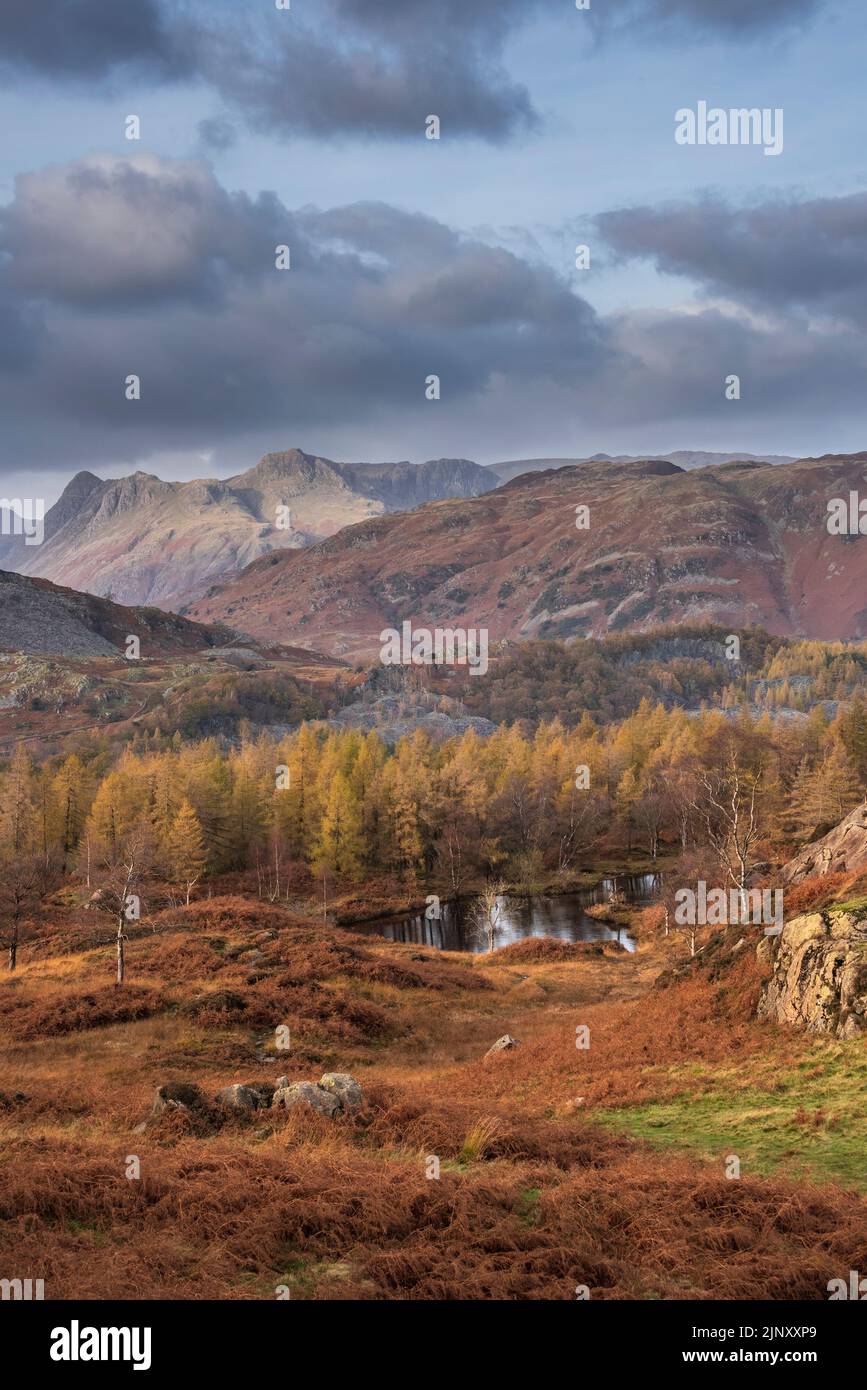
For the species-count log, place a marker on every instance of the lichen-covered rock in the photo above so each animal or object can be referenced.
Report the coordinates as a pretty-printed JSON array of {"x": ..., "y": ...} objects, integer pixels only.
[
  {"x": 239, "y": 1097},
  {"x": 345, "y": 1088},
  {"x": 819, "y": 978},
  {"x": 842, "y": 850},
  {"x": 306, "y": 1093},
  {"x": 503, "y": 1044},
  {"x": 766, "y": 950}
]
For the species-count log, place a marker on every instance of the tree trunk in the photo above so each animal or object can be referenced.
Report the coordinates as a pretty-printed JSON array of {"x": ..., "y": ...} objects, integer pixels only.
[{"x": 121, "y": 961}]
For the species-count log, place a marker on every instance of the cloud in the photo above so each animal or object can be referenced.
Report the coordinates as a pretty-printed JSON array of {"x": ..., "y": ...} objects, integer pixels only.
[
  {"x": 86, "y": 39},
  {"x": 370, "y": 72},
  {"x": 114, "y": 266},
  {"x": 216, "y": 133},
  {"x": 112, "y": 233},
  {"x": 363, "y": 69},
  {"x": 732, "y": 19},
  {"x": 780, "y": 255},
  {"x": 166, "y": 275}
]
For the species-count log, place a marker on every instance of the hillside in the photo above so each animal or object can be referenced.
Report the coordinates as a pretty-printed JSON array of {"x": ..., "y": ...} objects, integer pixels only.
[
  {"x": 556, "y": 1168},
  {"x": 740, "y": 544},
  {"x": 143, "y": 540},
  {"x": 39, "y": 617}
]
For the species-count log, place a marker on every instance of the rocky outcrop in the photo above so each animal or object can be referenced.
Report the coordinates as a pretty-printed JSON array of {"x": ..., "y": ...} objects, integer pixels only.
[
  {"x": 842, "y": 850},
  {"x": 398, "y": 716},
  {"x": 40, "y": 618},
  {"x": 336, "y": 1093},
  {"x": 307, "y": 1094},
  {"x": 819, "y": 972},
  {"x": 503, "y": 1044}
]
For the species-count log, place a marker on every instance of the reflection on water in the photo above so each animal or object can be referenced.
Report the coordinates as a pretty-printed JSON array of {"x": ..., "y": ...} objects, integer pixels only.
[{"x": 563, "y": 916}]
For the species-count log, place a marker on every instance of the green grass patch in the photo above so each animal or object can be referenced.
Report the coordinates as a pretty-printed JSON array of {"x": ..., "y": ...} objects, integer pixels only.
[
  {"x": 856, "y": 907},
  {"x": 809, "y": 1119},
  {"x": 528, "y": 1206}
]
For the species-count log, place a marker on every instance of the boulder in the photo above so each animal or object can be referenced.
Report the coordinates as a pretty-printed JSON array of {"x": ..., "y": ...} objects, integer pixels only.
[
  {"x": 239, "y": 1097},
  {"x": 344, "y": 1088},
  {"x": 819, "y": 978},
  {"x": 842, "y": 850},
  {"x": 306, "y": 1093},
  {"x": 503, "y": 1044}
]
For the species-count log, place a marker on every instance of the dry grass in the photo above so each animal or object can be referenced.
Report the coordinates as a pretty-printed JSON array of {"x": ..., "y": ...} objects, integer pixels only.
[{"x": 540, "y": 1187}]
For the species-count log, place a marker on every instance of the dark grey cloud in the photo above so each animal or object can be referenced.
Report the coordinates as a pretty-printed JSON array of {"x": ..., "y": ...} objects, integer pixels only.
[
  {"x": 360, "y": 79},
  {"x": 166, "y": 275},
  {"x": 216, "y": 133},
  {"x": 362, "y": 68},
  {"x": 87, "y": 39},
  {"x": 376, "y": 301},
  {"x": 780, "y": 254},
  {"x": 733, "y": 19}
]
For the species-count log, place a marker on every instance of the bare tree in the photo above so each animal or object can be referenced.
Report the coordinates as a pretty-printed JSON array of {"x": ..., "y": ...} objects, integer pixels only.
[
  {"x": 120, "y": 881},
  {"x": 650, "y": 810},
  {"x": 726, "y": 806},
  {"x": 451, "y": 851},
  {"x": 23, "y": 882},
  {"x": 578, "y": 826},
  {"x": 487, "y": 913}
]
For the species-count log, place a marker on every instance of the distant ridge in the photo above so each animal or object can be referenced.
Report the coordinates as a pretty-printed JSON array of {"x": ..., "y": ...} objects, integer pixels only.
[{"x": 684, "y": 458}]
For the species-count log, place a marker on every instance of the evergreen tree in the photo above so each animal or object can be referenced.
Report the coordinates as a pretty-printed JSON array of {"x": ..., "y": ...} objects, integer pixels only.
[
  {"x": 339, "y": 847},
  {"x": 187, "y": 849}
]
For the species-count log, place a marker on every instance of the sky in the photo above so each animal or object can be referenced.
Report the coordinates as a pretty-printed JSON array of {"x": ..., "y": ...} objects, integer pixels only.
[{"x": 412, "y": 258}]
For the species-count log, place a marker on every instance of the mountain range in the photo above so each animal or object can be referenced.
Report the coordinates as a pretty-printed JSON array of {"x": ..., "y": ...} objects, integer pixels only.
[
  {"x": 140, "y": 540},
  {"x": 742, "y": 544}
]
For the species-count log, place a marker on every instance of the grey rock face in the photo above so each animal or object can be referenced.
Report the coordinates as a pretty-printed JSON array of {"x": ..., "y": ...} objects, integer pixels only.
[
  {"x": 819, "y": 979},
  {"x": 842, "y": 850}
]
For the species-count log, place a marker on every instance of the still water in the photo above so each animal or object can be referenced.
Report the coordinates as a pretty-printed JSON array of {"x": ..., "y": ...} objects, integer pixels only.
[{"x": 562, "y": 916}]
